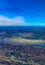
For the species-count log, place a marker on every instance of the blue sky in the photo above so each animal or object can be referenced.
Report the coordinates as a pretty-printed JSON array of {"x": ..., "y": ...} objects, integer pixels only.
[{"x": 22, "y": 12}]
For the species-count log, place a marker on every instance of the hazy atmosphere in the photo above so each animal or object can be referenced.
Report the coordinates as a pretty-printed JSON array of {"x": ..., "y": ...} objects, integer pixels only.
[
  {"x": 22, "y": 32},
  {"x": 22, "y": 12}
]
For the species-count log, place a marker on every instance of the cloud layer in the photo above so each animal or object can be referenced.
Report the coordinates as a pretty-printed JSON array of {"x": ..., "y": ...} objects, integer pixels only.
[{"x": 16, "y": 21}]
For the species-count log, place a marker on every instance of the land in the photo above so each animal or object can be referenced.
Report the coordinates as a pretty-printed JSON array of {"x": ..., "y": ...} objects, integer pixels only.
[
  {"x": 21, "y": 55},
  {"x": 27, "y": 41},
  {"x": 22, "y": 45}
]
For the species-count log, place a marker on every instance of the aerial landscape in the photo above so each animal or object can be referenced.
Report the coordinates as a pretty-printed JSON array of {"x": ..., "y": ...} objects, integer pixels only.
[
  {"x": 22, "y": 46},
  {"x": 22, "y": 32}
]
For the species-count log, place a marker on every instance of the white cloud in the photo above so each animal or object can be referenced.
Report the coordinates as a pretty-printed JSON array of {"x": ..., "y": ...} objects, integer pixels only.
[{"x": 4, "y": 21}]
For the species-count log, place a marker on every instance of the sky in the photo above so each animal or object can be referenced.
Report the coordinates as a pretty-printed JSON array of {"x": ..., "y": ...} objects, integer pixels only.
[{"x": 22, "y": 12}]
